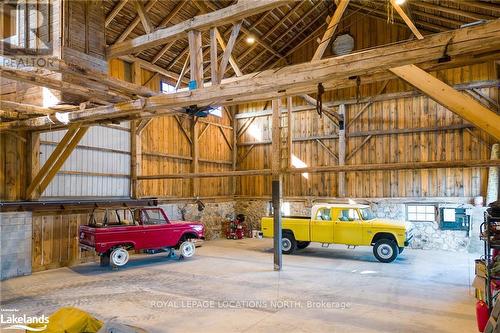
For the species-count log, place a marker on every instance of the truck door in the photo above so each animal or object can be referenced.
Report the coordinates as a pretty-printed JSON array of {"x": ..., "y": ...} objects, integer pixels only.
[
  {"x": 348, "y": 227},
  {"x": 322, "y": 226},
  {"x": 156, "y": 229}
]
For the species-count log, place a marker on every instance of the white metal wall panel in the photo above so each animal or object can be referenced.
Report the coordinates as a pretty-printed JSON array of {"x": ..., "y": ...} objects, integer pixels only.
[{"x": 89, "y": 172}]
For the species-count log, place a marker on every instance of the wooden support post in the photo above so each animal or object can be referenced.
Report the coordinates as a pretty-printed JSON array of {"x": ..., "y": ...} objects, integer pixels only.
[
  {"x": 289, "y": 129},
  {"x": 214, "y": 65},
  {"x": 135, "y": 159},
  {"x": 136, "y": 73},
  {"x": 33, "y": 156},
  {"x": 235, "y": 149},
  {"x": 342, "y": 143},
  {"x": 196, "y": 57},
  {"x": 276, "y": 182},
  {"x": 195, "y": 154}
]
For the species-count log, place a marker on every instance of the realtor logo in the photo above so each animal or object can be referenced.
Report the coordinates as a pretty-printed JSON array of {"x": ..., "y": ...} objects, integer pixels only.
[
  {"x": 16, "y": 321},
  {"x": 26, "y": 34}
]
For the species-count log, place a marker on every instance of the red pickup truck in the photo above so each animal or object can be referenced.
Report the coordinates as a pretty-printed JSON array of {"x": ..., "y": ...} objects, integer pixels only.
[{"x": 113, "y": 232}]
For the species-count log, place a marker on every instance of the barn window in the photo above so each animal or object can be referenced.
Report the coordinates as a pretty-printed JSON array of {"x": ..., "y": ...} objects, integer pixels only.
[
  {"x": 166, "y": 87},
  {"x": 217, "y": 111},
  {"x": 285, "y": 209},
  {"x": 421, "y": 213}
]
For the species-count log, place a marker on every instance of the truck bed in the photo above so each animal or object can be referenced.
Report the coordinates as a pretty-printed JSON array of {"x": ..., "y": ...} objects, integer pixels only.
[{"x": 300, "y": 224}]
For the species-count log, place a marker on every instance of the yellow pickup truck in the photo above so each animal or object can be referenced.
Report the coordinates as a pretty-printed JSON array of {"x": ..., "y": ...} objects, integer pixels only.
[{"x": 349, "y": 224}]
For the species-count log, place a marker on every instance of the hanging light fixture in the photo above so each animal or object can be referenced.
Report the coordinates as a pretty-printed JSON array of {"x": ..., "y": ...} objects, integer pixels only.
[{"x": 250, "y": 39}]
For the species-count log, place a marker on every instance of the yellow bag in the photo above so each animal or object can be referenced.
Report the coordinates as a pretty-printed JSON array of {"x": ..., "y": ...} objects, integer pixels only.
[{"x": 71, "y": 320}]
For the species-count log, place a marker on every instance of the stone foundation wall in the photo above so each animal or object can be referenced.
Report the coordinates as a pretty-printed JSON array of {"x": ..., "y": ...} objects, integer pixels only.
[
  {"x": 428, "y": 235},
  {"x": 213, "y": 215},
  {"x": 15, "y": 244}
]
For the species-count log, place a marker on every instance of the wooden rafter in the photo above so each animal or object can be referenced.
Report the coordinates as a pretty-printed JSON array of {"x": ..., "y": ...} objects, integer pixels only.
[
  {"x": 271, "y": 31},
  {"x": 135, "y": 22},
  {"x": 397, "y": 20},
  {"x": 162, "y": 24},
  {"x": 455, "y": 101},
  {"x": 330, "y": 30},
  {"x": 115, "y": 12},
  {"x": 203, "y": 22},
  {"x": 444, "y": 9},
  {"x": 407, "y": 20},
  {"x": 143, "y": 16}
]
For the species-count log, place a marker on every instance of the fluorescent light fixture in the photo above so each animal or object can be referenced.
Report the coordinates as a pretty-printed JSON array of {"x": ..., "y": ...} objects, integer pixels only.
[
  {"x": 298, "y": 163},
  {"x": 62, "y": 117},
  {"x": 352, "y": 202}
]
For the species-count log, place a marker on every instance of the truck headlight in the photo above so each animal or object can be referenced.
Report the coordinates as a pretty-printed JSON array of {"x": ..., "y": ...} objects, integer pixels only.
[{"x": 198, "y": 228}]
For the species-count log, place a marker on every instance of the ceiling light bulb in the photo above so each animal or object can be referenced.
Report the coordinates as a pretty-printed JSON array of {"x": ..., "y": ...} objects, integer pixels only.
[
  {"x": 400, "y": 2},
  {"x": 250, "y": 40}
]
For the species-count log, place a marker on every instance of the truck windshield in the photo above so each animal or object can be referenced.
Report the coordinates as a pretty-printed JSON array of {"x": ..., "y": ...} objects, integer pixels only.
[{"x": 367, "y": 214}]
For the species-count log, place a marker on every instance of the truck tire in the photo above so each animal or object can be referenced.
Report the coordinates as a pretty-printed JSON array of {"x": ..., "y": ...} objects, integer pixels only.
[
  {"x": 302, "y": 245},
  {"x": 187, "y": 249},
  {"x": 104, "y": 259},
  {"x": 288, "y": 243},
  {"x": 119, "y": 257},
  {"x": 386, "y": 250}
]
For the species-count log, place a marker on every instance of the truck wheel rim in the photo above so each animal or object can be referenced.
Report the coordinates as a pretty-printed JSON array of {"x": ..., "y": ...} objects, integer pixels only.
[
  {"x": 119, "y": 257},
  {"x": 187, "y": 249},
  {"x": 385, "y": 251},
  {"x": 286, "y": 245}
]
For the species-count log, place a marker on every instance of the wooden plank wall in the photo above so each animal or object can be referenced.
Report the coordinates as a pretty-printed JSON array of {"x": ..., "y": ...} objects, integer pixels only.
[
  {"x": 167, "y": 149},
  {"x": 12, "y": 166},
  {"x": 55, "y": 241},
  {"x": 393, "y": 114}
]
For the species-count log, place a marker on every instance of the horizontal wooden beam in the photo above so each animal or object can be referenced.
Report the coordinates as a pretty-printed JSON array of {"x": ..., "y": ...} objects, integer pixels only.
[
  {"x": 371, "y": 99},
  {"x": 184, "y": 158},
  {"x": 233, "y": 13},
  {"x": 396, "y": 131},
  {"x": 335, "y": 168},
  {"x": 303, "y": 78}
]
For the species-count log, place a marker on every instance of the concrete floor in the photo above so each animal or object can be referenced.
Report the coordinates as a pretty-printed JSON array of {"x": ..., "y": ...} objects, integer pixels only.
[{"x": 423, "y": 291}]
